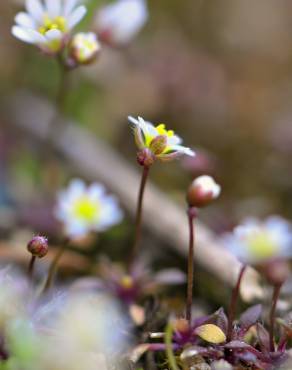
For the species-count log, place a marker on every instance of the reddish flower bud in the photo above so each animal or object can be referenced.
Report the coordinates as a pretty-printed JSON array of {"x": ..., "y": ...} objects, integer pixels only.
[
  {"x": 145, "y": 157},
  {"x": 202, "y": 191},
  {"x": 276, "y": 271},
  {"x": 38, "y": 246}
]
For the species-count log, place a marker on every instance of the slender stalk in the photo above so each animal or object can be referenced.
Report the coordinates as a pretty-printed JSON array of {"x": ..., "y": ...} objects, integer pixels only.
[
  {"x": 169, "y": 347},
  {"x": 276, "y": 294},
  {"x": 138, "y": 220},
  {"x": 191, "y": 216},
  {"x": 233, "y": 302},
  {"x": 31, "y": 266},
  {"x": 54, "y": 265}
]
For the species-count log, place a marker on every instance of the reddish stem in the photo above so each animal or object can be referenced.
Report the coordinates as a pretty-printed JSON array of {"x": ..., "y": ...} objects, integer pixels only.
[
  {"x": 138, "y": 220},
  {"x": 192, "y": 212},
  {"x": 276, "y": 294},
  {"x": 233, "y": 303},
  {"x": 31, "y": 266}
]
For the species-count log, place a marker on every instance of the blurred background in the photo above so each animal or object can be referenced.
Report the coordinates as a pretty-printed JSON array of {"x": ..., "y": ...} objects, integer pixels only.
[{"x": 218, "y": 72}]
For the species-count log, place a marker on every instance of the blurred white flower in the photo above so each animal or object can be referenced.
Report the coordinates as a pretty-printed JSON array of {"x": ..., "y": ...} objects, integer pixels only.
[
  {"x": 162, "y": 143},
  {"x": 84, "y": 47},
  {"x": 88, "y": 333},
  {"x": 83, "y": 209},
  {"x": 118, "y": 23},
  {"x": 256, "y": 241},
  {"x": 46, "y": 24},
  {"x": 202, "y": 191}
]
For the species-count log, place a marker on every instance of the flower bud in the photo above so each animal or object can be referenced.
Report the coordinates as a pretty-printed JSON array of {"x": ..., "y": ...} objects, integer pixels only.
[
  {"x": 158, "y": 144},
  {"x": 145, "y": 157},
  {"x": 276, "y": 271},
  {"x": 84, "y": 48},
  {"x": 202, "y": 191},
  {"x": 38, "y": 246}
]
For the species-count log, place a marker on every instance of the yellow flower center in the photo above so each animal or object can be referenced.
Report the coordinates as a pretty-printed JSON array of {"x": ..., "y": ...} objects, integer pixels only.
[
  {"x": 58, "y": 23},
  {"x": 261, "y": 245},
  {"x": 162, "y": 131},
  {"x": 127, "y": 282},
  {"x": 85, "y": 209}
]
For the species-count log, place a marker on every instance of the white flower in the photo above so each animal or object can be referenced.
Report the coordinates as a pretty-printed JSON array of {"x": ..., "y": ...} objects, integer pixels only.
[
  {"x": 202, "y": 191},
  {"x": 46, "y": 24},
  {"x": 162, "y": 143},
  {"x": 118, "y": 23},
  {"x": 255, "y": 241},
  {"x": 83, "y": 209},
  {"x": 84, "y": 47}
]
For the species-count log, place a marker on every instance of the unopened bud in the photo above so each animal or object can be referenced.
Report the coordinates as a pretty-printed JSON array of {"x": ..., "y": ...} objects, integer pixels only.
[
  {"x": 145, "y": 157},
  {"x": 276, "y": 271},
  {"x": 38, "y": 246},
  {"x": 84, "y": 48},
  {"x": 158, "y": 144},
  {"x": 181, "y": 326},
  {"x": 202, "y": 191}
]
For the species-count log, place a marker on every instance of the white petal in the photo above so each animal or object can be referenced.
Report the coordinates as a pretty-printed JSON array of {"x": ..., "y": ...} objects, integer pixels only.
[
  {"x": 69, "y": 6},
  {"x": 22, "y": 34},
  {"x": 76, "y": 16},
  {"x": 123, "y": 19},
  {"x": 95, "y": 191},
  {"x": 53, "y": 8},
  {"x": 35, "y": 9},
  {"x": 37, "y": 37},
  {"x": 25, "y": 20},
  {"x": 183, "y": 150},
  {"x": 133, "y": 120},
  {"x": 174, "y": 140},
  {"x": 54, "y": 35}
]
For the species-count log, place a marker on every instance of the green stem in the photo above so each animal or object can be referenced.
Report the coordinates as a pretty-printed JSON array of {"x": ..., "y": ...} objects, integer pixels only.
[
  {"x": 276, "y": 294},
  {"x": 169, "y": 349},
  {"x": 233, "y": 303},
  {"x": 138, "y": 220}
]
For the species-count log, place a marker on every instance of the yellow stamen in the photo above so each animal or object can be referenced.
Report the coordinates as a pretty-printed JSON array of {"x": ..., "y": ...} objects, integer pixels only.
[
  {"x": 261, "y": 245},
  {"x": 86, "y": 210},
  {"x": 162, "y": 130},
  {"x": 58, "y": 23},
  {"x": 127, "y": 282}
]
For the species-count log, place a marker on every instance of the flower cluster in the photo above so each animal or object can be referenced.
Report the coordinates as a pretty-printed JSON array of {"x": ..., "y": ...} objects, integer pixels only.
[{"x": 48, "y": 24}]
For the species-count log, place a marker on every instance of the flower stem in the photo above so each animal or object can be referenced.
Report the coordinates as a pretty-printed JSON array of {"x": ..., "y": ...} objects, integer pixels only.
[
  {"x": 233, "y": 302},
  {"x": 31, "y": 266},
  {"x": 192, "y": 212},
  {"x": 276, "y": 294},
  {"x": 138, "y": 220},
  {"x": 53, "y": 266},
  {"x": 169, "y": 348}
]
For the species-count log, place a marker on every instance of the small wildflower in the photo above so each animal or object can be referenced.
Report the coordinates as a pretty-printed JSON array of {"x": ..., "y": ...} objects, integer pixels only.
[
  {"x": 47, "y": 24},
  {"x": 118, "y": 23},
  {"x": 202, "y": 191},
  {"x": 84, "y": 47},
  {"x": 157, "y": 142},
  {"x": 256, "y": 242},
  {"x": 38, "y": 246},
  {"x": 83, "y": 209}
]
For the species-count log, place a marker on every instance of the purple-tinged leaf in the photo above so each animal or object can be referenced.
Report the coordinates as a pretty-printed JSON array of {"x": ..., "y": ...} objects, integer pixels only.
[
  {"x": 263, "y": 338},
  {"x": 250, "y": 317},
  {"x": 221, "y": 319},
  {"x": 238, "y": 345}
]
